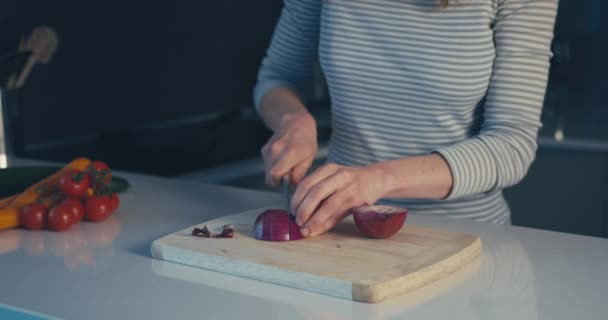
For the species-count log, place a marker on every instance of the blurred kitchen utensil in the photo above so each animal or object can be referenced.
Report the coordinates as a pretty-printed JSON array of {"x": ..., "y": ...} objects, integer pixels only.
[{"x": 42, "y": 43}]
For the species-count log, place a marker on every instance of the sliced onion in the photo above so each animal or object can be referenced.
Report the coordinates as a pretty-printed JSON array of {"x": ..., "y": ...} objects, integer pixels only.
[
  {"x": 275, "y": 225},
  {"x": 377, "y": 221}
]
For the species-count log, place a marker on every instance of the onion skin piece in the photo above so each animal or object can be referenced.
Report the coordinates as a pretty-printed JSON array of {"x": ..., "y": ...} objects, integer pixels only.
[
  {"x": 275, "y": 225},
  {"x": 379, "y": 222}
]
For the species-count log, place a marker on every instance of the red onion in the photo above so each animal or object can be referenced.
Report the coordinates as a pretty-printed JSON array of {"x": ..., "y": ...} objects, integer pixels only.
[
  {"x": 376, "y": 221},
  {"x": 275, "y": 225}
]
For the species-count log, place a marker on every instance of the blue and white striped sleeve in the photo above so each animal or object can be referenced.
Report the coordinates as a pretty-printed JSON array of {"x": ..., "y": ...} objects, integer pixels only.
[
  {"x": 292, "y": 52},
  {"x": 500, "y": 155}
]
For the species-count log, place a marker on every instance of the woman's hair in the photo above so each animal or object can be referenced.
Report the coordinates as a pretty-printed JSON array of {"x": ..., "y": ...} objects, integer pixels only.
[{"x": 444, "y": 3}]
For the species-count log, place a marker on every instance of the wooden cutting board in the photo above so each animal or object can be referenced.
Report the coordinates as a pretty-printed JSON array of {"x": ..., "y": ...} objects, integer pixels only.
[{"x": 339, "y": 263}]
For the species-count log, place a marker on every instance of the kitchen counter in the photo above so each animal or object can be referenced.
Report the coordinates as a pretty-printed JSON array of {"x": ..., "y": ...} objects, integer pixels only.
[{"x": 105, "y": 270}]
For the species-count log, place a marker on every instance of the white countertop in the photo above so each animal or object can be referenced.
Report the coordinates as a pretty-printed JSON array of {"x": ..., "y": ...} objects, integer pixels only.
[{"x": 105, "y": 271}]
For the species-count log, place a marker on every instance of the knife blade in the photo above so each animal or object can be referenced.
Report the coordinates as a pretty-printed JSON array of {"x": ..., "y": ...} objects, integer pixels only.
[{"x": 287, "y": 192}]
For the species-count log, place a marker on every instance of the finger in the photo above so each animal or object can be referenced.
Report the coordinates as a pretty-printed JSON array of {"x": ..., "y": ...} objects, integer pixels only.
[
  {"x": 299, "y": 171},
  {"x": 318, "y": 193},
  {"x": 270, "y": 152},
  {"x": 310, "y": 181},
  {"x": 283, "y": 165},
  {"x": 329, "y": 213}
]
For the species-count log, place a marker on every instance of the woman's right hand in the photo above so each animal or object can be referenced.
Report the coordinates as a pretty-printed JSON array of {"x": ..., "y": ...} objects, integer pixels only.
[{"x": 291, "y": 149}]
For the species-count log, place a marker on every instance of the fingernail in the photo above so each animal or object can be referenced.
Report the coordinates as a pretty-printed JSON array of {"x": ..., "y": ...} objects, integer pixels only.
[
  {"x": 305, "y": 232},
  {"x": 299, "y": 222}
]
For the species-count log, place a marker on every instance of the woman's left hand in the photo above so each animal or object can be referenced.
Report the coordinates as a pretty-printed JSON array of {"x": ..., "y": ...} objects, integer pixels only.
[{"x": 325, "y": 197}]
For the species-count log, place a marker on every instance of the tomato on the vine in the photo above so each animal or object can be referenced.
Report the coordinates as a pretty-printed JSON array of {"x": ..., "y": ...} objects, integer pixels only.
[
  {"x": 60, "y": 218},
  {"x": 100, "y": 165},
  {"x": 33, "y": 216},
  {"x": 74, "y": 183},
  {"x": 100, "y": 173},
  {"x": 98, "y": 208},
  {"x": 76, "y": 207}
]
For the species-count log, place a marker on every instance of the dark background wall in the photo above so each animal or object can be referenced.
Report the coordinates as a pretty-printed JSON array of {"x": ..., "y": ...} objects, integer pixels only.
[{"x": 124, "y": 65}]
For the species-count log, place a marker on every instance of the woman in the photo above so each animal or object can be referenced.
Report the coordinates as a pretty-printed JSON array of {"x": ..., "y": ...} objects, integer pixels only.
[{"x": 435, "y": 106}]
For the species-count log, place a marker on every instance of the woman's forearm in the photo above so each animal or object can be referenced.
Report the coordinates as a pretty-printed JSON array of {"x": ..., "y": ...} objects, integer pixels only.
[
  {"x": 424, "y": 177},
  {"x": 420, "y": 177},
  {"x": 280, "y": 105}
]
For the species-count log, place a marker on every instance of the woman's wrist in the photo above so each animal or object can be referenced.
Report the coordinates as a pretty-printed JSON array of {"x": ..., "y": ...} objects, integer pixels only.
[
  {"x": 389, "y": 181},
  {"x": 300, "y": 117},
  {"x": 421, "y": 177}
]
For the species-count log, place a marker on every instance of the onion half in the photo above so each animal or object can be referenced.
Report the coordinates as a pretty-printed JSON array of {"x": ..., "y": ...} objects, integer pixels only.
[
  {"x": 276, "y": 225},
  {"x": 377, "y": 221}
]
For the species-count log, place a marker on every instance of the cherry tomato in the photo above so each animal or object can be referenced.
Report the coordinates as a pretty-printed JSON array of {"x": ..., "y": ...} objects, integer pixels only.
[
  {"x": 60, "y": 218},
  {"x": 114, "y": 201},
  {"x": 102, "y": 173},
  {"x": 100, "y": 165},
  {"x": 98, "y": 208},
  {"x": 76, "y": 207},
  {"x": 34, "y": 216},
  {"x": 74, "y": 183}
]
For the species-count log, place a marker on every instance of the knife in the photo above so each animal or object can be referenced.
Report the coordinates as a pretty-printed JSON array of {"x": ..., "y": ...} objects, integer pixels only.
[
  {"x": 286, "y": 181},
  {"x": 287, "y": 192}
]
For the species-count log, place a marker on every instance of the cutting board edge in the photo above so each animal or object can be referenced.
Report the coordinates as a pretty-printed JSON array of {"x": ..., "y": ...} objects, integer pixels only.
[
  {"x": 379, "y": 292},
  {"x": 296, "y": 279}
]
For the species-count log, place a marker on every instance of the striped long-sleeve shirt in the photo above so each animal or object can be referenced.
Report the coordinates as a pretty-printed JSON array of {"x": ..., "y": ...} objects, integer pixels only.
[{"x": 407, "y": 77}]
